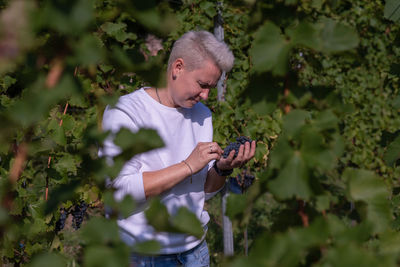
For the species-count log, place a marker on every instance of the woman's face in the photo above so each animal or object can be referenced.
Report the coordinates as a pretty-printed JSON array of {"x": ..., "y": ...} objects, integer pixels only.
[{"x": 190, "y": 87}]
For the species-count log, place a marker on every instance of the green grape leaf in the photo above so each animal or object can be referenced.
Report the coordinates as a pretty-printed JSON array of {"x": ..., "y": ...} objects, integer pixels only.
[
  {"x": 135, "y": 143},
  {"x": 314, "y": 152},
  {"x": 60, "y": 194},
  {"x": 349, "y": 255},
  {"x": 151, "y": 246},
  {"x": 281, "y": 153},
  {"x": 157, "y": 216},
  {"x": 48, "y": 259},
  {"x": 100, "y": 231},
  {"x": 6, "y": 82},
  {"x": 392, "y": 153},
  {"x": 336, "y": 37},
  {"x": 209, "y": 8},
  {"x": 304, "y": 34},
  {"x": 58, "y": 135},
  {"x": 127, "y": 206},
  {"x": 235, "y": 205},
  {"x": 118, "y": 31},
  {"x": 326, "y": 36},
  {"x": 187, "y": 222},
  {"x": 392, "y": 10},
  {"x": 390, "y": 243},
  {"x": 88, "y": 50},
  {"x": 326, "y": 120},
  {"x": 98, "y": 255},
  {"x": 270, "y": 50},
  {"x": 365, "y": 186},
  {"x": 292, "y": 180},
  {"x": 294, "y": 121},
  {"x": 38, "y": 100}
]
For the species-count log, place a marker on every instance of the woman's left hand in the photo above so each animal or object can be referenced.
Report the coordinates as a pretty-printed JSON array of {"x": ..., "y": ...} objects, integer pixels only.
[{"x": 246, "y": 153}]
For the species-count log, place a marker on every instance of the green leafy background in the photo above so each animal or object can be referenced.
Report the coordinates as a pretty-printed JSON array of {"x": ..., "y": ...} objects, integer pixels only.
[{"x": 316, "y": 83}]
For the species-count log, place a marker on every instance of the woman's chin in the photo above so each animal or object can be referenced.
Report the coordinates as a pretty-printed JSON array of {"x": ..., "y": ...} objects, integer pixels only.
[{"x": 189, "y": 104}]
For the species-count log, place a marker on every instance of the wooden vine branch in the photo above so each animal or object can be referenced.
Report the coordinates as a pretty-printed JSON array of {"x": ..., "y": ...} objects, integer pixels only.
[
  {"x": 301, "y": 212},
  {"x": 286, "y": 93},
  {"x": 49, "y": 160},
  {"x": 55, "y": 73},
  {"x": 18, "y": 164},
  {"x": 52, "y": 79}
]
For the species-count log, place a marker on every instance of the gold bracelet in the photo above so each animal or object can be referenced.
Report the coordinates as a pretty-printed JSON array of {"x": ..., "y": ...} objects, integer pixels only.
[{"x": 191, "y": 172}]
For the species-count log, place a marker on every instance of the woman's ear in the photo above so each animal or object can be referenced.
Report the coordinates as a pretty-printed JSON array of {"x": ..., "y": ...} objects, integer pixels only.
[{"x": 178, "y": 67}]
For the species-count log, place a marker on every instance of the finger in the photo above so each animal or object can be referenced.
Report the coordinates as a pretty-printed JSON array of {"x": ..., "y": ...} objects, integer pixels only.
[
  {"x": 212, "y": 147},
  {"x": 219, "y": 149},
  {"x": 253, "y": 149},
  {"x": 246, "y": 153},
  {"x": 216, "y": 148},
  {"x": 227, "y": 162},
  {"x": 214, "y": 156},
  {"x": 240, "y": 155}
]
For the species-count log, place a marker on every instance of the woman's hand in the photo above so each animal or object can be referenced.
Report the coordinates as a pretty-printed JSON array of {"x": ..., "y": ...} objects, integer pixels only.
[
  {"x": 246, "y": 153},
  {"x": 202, "y": 154}
]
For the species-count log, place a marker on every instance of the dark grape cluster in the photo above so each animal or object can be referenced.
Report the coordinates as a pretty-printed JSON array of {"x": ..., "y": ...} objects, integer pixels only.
[
  {"x": 78, "y": 214},
  {"x": 239, "y": 184},
  {"x": 241, "y": 140},
  {"x": 61, "y": 221},
  {"x": 247, "y": 181}
]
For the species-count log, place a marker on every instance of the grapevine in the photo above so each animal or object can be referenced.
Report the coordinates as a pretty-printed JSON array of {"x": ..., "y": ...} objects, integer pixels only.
[
  {"x": 315, "y": 82},
  {"x": 235, "y": 146},
  {"x": 78, "y": 213}
]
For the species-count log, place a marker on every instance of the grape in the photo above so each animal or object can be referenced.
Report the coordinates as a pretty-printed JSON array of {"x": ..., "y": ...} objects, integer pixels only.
[
  {"x": 239, "y": 184},
  {"x": 235, "y": 146},
  {"x": 243, "y": 139},
  {"x": 247, "y": 181},
  {"x": 61, "y": 221},
  {"x": 78, "y": 215},
  {"x": 232, "y": 146}
]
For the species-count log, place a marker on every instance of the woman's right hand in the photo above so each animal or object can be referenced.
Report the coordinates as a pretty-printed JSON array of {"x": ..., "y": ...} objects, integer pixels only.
[{"x": 202, "y": 154}]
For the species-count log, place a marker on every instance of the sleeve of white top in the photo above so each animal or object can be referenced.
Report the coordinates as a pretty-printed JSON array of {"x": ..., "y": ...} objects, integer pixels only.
[
  {"x": 130, "y": 179},
  {"x": 212, "y": 194}
]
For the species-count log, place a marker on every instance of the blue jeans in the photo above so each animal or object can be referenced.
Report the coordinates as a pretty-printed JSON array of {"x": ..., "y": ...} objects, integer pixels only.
[{"x": 196, "y": 257}]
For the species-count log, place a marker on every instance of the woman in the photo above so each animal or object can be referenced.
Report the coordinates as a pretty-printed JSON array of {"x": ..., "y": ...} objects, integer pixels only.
[{"x": 189, "y": 169}]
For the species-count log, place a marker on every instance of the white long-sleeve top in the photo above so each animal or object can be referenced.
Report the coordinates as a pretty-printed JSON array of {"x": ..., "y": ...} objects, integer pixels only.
[{"x": 180, "y": 129}]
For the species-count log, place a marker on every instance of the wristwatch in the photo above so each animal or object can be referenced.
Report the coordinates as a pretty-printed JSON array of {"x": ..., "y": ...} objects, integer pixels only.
[{"x": 222, "y": 172}]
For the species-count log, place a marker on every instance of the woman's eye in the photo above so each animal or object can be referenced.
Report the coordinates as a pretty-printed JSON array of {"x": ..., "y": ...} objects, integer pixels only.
[{"x": 203, "y": 86}]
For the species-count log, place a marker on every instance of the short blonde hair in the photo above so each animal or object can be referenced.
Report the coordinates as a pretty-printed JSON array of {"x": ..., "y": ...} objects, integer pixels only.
[{"x": 194, "y": 47}]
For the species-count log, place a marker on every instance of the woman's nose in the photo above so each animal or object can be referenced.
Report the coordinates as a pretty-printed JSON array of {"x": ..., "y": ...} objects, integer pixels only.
[{"x": 204, "y": 94}]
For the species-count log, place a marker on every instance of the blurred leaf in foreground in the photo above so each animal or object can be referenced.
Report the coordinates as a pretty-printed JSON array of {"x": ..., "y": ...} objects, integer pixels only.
[
  {"x": 392, "y": 10},
  {"x": 365, "y": 186}
]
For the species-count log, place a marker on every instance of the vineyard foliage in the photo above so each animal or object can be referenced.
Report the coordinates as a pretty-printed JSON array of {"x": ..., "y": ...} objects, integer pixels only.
[{"x": 315, "y": 82}]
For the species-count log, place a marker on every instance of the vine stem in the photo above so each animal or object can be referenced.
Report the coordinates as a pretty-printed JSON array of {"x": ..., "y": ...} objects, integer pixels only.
[
  {"x": 49, "y": 160},
  {"x": 55, "y": 73},
  {"x": 17, "y": 166},
  {"x": 286, "y": 93},
  {"x": 303, "y": 215}
]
